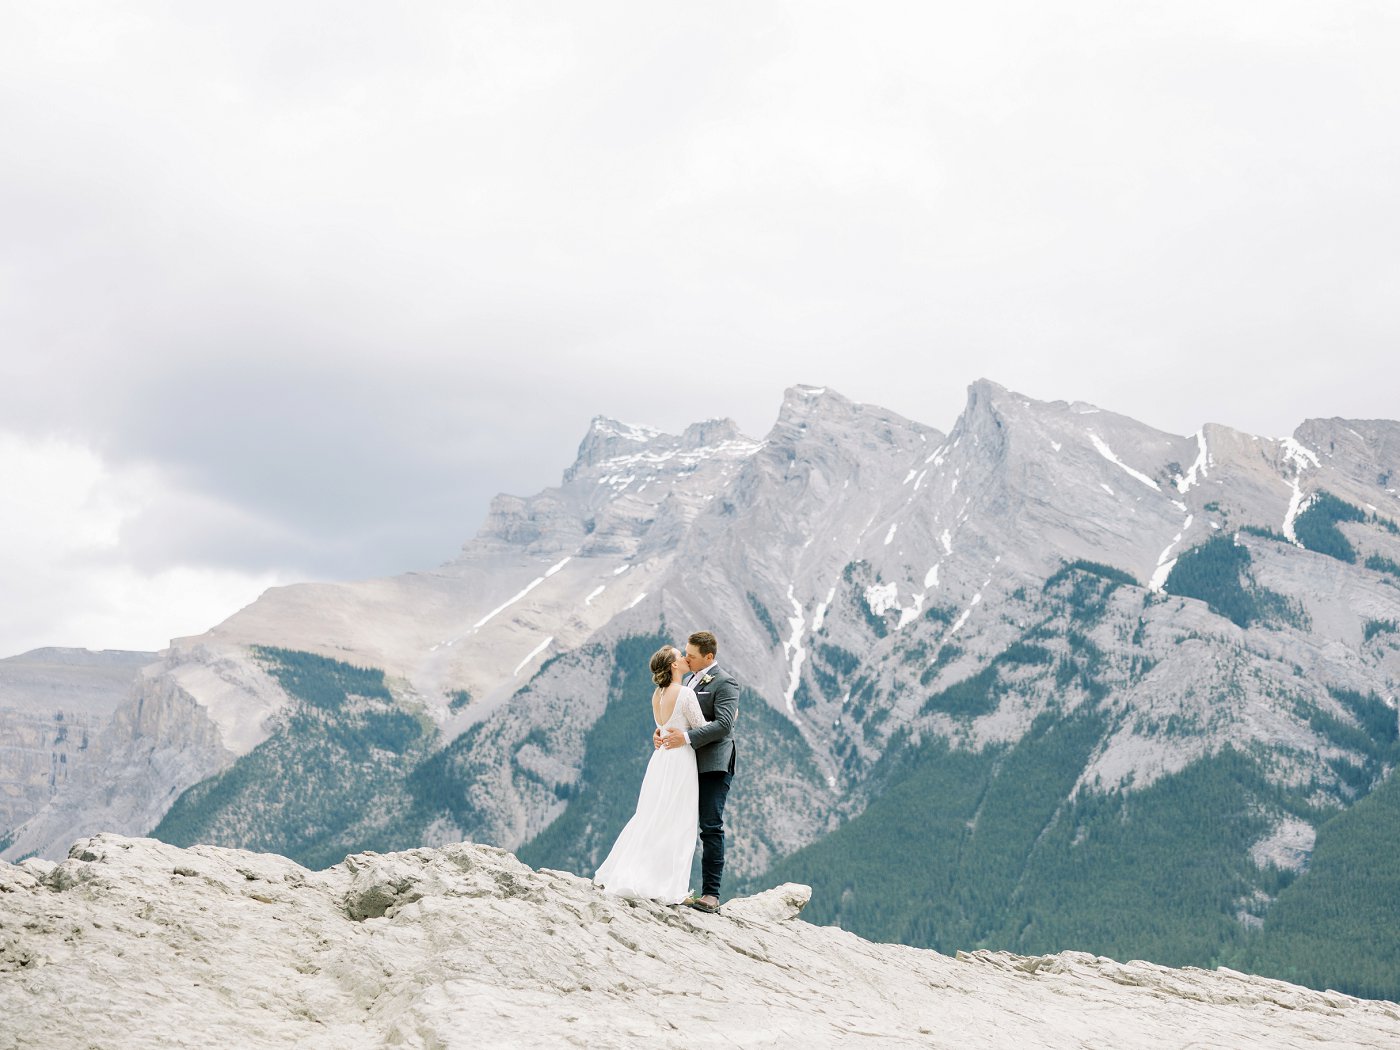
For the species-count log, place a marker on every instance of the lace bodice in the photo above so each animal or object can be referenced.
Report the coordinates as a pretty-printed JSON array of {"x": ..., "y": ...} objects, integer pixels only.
[{"x": 687, "y": 713}]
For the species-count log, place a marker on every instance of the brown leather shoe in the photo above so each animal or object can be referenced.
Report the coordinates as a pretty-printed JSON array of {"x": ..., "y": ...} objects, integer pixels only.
[{"x": 706, "y": 904}]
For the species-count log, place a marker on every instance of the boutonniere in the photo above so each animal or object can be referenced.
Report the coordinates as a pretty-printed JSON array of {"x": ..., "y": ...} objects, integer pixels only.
[{"x": 707, "y": 679}]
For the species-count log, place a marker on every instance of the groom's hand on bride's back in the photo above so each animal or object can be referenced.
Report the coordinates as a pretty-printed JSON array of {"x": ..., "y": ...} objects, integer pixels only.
[{"x": 656, "y": 737}]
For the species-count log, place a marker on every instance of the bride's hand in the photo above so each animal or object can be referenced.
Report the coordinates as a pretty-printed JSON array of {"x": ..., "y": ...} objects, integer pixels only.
[{"x": 656, "y": 738}]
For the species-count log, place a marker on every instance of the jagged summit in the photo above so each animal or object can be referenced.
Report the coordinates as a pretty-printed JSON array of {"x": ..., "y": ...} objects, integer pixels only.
[
  {"x": 806, "y": 404},
  {"x": 1364, "y": 451},
  {"x": 609, "y": 427},
  {"x": 465, "y": 946},
  {"x": 713, "y": 432},
  {"x": 830, "y": 433},
  {"x": 607, "y": 438},
  {"x": 802, "y": 399},
  {"x": 986, "y": 398},
  {"x": 622, "y": 449}
]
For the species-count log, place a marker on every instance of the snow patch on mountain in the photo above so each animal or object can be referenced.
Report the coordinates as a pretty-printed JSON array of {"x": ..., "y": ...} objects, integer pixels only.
[
  {"x": 880, "y": 598},
  {"x": 792, "y": 648},
  {"x": 519, "y": 597},
  {"x": 910, "y": 613},
  {"x": 1200, "y": 468},
  {"x": 533, "y": 653},
  {"x": 1112, "y": 457},
  {"x": 1302, "y": 458}
]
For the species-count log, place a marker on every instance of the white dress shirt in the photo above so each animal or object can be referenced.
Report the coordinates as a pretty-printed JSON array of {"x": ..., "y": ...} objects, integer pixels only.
[{"x": 695, "y": 676}]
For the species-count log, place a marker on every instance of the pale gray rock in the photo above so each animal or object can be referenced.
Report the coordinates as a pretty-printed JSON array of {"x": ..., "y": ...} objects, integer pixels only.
[
  {"x": 776, "y": 905},
  {"x": 159, "y": 742},
  {"x": 53, "y": 704},
  {"x": 134, "y": 944},
  {"x": 1289, "y": 844}
]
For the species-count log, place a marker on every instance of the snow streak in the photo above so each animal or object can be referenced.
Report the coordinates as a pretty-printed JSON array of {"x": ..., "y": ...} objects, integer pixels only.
[
  {"x": 819, "y": 617},
  {"x": 1108, "y": 454},
  {"x": 528, "y": 588},
  {"x": 794, "y": 651},
  {"x": 533, "y": 653},
  {"x": 1200, "y": 468},
  {"x": 1301, "y": 457},
  {"x": 502, "y": 608}
]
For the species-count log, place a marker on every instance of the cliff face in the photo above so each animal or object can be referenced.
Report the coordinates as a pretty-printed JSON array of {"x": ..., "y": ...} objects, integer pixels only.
[
  {"x": 54, "y": 703},
  {"x": 133, "y": 943}
]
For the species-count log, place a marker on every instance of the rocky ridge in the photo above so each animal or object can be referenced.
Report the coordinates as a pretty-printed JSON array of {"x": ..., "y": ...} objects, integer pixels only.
[{"x": 135, "y": 944}]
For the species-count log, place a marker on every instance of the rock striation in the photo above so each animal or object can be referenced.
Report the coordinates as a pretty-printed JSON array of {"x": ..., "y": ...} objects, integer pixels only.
[
  {"x": 54, "y": 703},
  {"x": 134, "y": 944}
]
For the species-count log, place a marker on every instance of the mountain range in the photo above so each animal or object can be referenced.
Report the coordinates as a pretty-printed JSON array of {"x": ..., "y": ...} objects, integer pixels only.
[{"x": 1051, "y": 680}]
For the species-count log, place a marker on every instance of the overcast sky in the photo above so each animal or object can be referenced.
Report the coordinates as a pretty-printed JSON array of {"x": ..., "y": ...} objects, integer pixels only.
[{"x": 290, "y": 290}]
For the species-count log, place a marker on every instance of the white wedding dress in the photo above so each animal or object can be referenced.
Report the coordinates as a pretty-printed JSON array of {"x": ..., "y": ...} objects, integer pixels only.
[{"x": 652, "y": 856}]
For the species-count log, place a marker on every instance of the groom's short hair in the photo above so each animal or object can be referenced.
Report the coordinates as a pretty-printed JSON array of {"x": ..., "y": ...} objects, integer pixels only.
[{"x": 705, "y": 642}]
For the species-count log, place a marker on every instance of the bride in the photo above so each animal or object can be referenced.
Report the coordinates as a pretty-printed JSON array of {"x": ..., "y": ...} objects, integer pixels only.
[{"x": 652, "y": 856}]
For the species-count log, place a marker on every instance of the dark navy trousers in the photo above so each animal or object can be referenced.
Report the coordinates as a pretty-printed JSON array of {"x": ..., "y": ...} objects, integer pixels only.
[{"x": 714, "y": 791}]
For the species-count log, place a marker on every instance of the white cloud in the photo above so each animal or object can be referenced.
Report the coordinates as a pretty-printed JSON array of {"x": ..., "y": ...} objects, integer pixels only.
[{"x": 65, "y": 577}]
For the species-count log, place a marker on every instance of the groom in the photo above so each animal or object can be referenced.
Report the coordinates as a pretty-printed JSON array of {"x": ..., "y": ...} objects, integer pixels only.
[{"x": 713, "y": 742}]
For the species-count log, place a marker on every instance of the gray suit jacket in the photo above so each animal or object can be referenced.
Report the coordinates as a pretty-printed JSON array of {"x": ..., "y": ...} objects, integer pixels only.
[{"x": 719, "y": 703}]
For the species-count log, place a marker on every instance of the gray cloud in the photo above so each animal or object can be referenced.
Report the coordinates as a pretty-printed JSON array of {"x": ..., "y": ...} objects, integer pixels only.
[{"x": 339, "y": 277}]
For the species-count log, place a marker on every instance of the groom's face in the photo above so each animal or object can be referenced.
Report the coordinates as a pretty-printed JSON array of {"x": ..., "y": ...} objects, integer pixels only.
[{"x": 693, "y": 657}]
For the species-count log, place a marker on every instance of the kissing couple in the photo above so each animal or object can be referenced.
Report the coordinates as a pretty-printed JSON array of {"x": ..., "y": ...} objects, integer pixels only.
[{"x": 686, "y": 783}]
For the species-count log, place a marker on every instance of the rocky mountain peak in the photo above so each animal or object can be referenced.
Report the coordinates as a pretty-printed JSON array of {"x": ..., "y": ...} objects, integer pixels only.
[
  {"x": 995, "y": 412},
  {"x": 608, "y": 439},
  {"x": 819, "y": 412},
  {"x": 1365, "y": 451},
  {"x": 803, "y": 399},
  {"x": 612, "y": 448},
  {"x": 986, "y": 390},
  {"x": 712, "y": 432},
  {"x": 985, "y": 413}
]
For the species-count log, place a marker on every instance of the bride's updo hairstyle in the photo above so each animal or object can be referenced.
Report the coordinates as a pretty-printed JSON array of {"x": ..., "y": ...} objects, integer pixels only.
[{"x": 661, "y": 665}]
